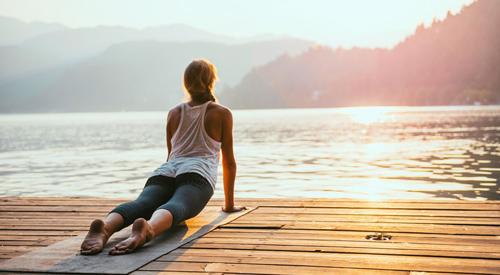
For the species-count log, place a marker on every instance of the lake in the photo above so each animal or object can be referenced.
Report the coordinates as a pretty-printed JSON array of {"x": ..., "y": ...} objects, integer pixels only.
[{"x": 370, "y": 153}]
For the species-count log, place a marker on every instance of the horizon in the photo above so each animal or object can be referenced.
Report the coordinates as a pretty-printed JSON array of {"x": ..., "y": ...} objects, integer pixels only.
[
  {"x": 340, "y": 109},
  {"x": 383, "y": 24}
]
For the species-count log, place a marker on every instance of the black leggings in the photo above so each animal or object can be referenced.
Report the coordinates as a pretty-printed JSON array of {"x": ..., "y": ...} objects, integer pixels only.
[{"x": 184, "y": 196}]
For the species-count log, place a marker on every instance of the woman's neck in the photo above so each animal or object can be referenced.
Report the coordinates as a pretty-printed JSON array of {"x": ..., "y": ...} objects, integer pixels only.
[{"x": 196, "y": 103}]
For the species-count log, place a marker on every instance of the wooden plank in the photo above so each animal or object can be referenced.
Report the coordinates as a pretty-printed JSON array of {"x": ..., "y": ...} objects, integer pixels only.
[
  {"x": 54, "y": 227},
  {"x": 384, "y": 212},
  {"x": 17, "y": 243},
  {"x": 4, "y": 238},
  {"x": 56, "y": 208},
  {"x": 15, "y": 249},
  {"x": 259, "y": 268},
  {"x": 280, "y": 269},
  {"x": 300, "y": 270},
  {"x": 349, "y": 232},
  {"x": 389, "y": 244},
  {"x": 346, "y": 260},
  {"x": 342, "y": 247},
  {"x": 235, "y": 273},
  {"x": 40, "y": 232},
  {"x": 353, "y": 218},
  {"x": 352, "y": 235},
  {"x": 377, "y": 227},
  {"x": 58, "y": 202},
  {"x": 38, "y": 219},
  {"x": 174, "y": 273},
  {"x": 51, "y": 215},
  {"x": 43, "y": 222},
  {"x": 263, "y": 201},
  {"x": 384, "y": 205},
  {"x": 63, "y": 257}
]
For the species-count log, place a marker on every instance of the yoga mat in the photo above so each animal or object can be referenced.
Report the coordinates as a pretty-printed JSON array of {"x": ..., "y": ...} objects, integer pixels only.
[{"x": 64, "y": 256}]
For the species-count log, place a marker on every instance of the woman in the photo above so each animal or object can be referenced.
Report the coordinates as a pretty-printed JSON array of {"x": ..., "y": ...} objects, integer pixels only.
[{"x": 179, "y": 189}]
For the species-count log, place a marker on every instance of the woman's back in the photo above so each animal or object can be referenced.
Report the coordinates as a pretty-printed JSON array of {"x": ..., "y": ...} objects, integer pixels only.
[
  {"x": 194, "y": 139},
  {"x": 190, "y": 138}
]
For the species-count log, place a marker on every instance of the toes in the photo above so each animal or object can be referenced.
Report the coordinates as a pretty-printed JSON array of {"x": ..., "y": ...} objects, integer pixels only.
[
  {"x": 86, "y": 250},
  {"x": 85, "y": 244},
  {"x": 121, "y": 246},
  {"x": 88, "y": 244},
  {"x": 118, "y": 251},
  {"x": 124, "y": 247},
  {"x": 89, "y": 251}
]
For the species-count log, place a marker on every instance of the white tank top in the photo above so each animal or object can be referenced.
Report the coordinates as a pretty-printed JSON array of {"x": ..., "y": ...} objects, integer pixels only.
[{"x": 193, "y": 150}]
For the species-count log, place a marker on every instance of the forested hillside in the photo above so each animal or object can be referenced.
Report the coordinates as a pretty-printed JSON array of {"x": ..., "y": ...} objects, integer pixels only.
[{"x": 453, "y": 61}]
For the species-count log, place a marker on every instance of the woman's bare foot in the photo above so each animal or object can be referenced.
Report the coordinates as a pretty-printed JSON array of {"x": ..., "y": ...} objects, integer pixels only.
[
  {"x": 141, "y": 234},
  {"x": 96, "y": 238}
]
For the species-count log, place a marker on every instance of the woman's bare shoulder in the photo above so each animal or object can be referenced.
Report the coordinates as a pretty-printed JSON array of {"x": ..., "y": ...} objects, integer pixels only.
[
  {"x": 175, "y": 111},
  {"x": 219, "y": 109}
]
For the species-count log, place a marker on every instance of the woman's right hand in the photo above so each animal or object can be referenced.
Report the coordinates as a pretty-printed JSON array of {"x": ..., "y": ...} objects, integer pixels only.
[{"x": 233, "y": 209}]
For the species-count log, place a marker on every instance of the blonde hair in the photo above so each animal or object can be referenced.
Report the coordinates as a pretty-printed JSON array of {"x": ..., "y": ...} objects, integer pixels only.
[{"x": 199, "y": 80}]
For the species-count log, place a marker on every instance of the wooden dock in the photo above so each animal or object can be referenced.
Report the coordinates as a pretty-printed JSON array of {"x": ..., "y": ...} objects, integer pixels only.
[{"x": 293, "y": 236}]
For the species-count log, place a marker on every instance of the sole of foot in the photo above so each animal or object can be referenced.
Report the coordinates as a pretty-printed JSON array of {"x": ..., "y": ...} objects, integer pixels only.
[
  {"x": 95, "y": 240},
  {"x": 141, "y": 234}
]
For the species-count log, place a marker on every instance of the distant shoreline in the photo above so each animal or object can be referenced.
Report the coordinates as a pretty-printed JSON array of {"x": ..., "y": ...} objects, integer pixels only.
[{"x": 266, "y": 109}]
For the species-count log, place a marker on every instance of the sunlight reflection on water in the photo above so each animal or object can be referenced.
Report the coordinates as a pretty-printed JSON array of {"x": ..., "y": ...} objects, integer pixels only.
[{"x": 366, "y": 153}]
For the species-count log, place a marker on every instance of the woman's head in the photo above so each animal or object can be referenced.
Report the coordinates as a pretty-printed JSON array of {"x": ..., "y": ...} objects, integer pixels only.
[{"x": 199, "y": 80}]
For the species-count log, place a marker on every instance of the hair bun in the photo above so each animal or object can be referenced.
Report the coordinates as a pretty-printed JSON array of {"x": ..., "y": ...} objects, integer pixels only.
[{"x": 199, "y": 80}]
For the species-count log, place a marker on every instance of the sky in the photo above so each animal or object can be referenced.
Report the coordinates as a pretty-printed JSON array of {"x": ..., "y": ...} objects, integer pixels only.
[{"x": 346, "y": 23}]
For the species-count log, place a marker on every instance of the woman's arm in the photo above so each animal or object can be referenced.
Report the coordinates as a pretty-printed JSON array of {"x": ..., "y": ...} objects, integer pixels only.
[
  {"x": 228, "y": 163},
  {"x": 169, "y": 134},
  {"x": 172, "y": 124}
]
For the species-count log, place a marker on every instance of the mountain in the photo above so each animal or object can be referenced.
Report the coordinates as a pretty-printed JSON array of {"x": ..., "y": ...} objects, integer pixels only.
[
  {"x": 27, "y": 48},
  {"x": 135, "y": 75},
  {"x": 13, "y": 31},
  {"x": 75, "y": 43},
  {"x": 84, "y": 42},
  {"x": 16, "y": 60},
  {"x": 45, "y": 46},
  {"x": 49, "y": 67},
  {"x": 453, "y": 61}
]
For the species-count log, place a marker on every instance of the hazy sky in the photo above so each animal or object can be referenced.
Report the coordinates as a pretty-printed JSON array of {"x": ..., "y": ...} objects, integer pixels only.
[{"x": 369, "y": 23}]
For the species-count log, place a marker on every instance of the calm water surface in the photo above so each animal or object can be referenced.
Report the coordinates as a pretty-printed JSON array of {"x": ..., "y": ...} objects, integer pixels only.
[{"x": 360, "y": 153}]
